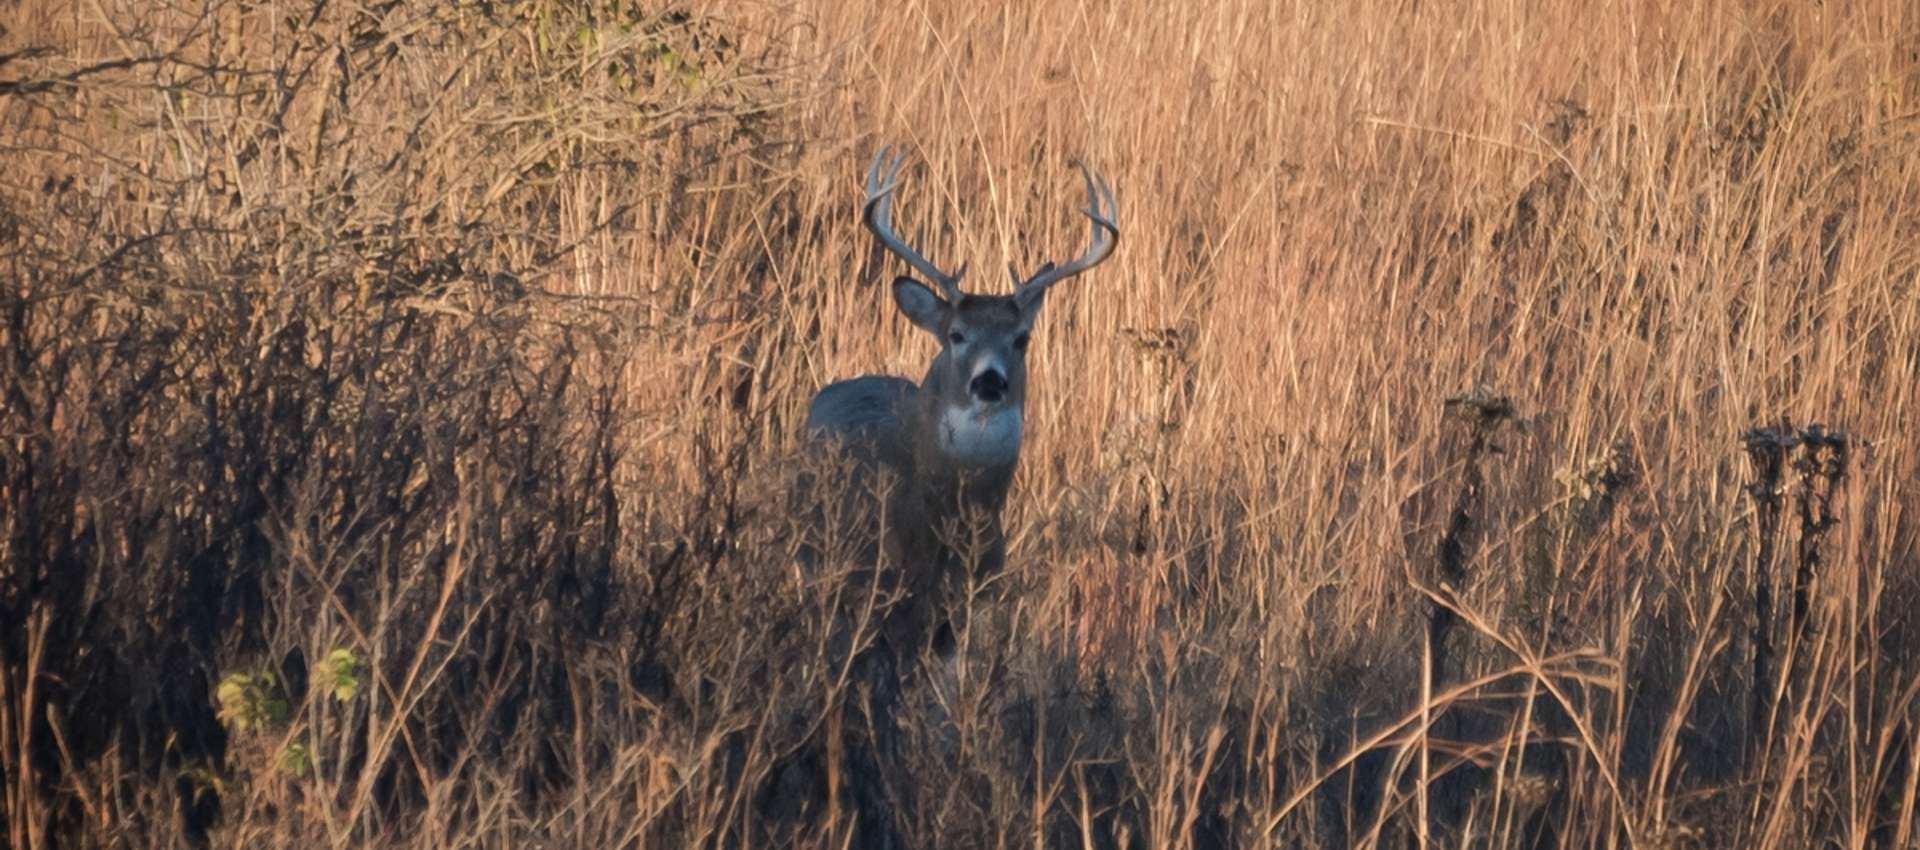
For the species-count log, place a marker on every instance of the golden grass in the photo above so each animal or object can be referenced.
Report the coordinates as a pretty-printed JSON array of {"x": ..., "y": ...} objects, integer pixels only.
[{"x": 1651, "y": 226}]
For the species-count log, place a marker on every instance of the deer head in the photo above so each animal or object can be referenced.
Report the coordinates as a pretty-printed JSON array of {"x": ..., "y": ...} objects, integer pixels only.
[{"x": 975, "y": 388}]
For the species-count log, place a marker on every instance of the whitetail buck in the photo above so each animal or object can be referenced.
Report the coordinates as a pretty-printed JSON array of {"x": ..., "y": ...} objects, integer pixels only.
[{"x": 950, "y": 444}]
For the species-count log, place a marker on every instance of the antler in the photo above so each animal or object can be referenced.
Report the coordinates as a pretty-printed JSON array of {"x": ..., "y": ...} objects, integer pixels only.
[
  {"x": 1102, "y": 210},
  {"x": 882, "y": 178}
]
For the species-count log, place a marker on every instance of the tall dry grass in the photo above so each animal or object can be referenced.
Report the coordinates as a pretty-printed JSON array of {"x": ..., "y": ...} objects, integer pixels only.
[{"x": 398, "y": 399}]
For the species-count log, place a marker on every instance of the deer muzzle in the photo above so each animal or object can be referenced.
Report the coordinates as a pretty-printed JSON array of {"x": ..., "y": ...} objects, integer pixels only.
[{"x": 989, "y": 385}]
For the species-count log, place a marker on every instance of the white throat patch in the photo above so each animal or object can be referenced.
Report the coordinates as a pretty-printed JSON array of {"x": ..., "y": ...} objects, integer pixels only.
[{"x": 981, "y": 438}]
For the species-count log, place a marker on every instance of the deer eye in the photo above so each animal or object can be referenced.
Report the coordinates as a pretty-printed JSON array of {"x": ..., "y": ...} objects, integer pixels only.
[
  {"x": 1020, "y": 342},
  {"x": 957, "y": 338}
]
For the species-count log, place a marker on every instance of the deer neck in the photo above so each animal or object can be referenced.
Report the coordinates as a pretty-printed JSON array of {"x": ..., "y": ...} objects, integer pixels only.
[{"x": 965, "y": 448}]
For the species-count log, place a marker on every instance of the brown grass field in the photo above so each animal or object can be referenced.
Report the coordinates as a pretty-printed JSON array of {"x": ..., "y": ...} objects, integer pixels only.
[{"x": 1496, "y": 429}]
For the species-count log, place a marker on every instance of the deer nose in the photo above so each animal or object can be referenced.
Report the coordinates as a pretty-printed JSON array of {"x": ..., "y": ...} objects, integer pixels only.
[{"x": 989, "y": 386}]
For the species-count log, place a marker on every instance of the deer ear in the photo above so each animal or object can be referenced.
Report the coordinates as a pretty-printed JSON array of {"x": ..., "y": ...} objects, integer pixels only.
[
  {"x": 1030, "y": 299},
  {"x": 1028, "y": 296},
  {"x": 921, "y": 306}
]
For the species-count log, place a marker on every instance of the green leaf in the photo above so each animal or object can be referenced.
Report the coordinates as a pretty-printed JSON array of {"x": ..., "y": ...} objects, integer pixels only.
[
  {"x": 296, "y": 760},
  {"x": 236, "y": 696},
  {"x": 251, "y": 700},
  {"x": 343, "y": 674}
]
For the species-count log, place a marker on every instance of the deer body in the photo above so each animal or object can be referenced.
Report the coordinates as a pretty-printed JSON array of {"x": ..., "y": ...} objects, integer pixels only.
[
  {"x": 951, "y": 443},
  {"x": 950, "y": 461}
]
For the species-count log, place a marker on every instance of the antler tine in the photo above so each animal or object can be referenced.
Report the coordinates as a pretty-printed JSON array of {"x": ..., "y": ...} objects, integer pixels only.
[
  {"x": 1102, "y": 212},
  {"x": 883, "y": 176}
]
